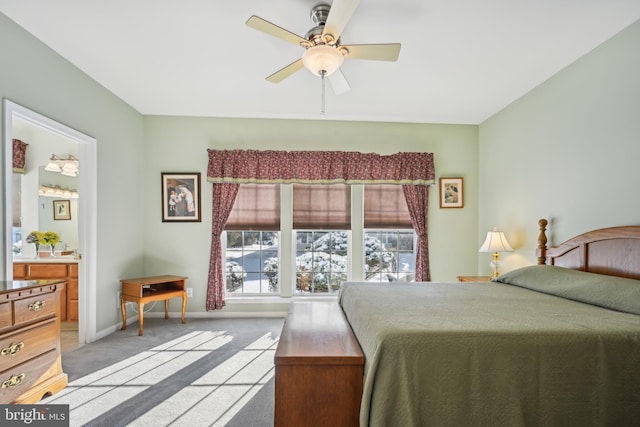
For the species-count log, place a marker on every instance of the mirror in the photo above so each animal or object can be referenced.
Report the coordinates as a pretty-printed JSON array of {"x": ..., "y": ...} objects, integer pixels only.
[{"x": 33, "y": 205}]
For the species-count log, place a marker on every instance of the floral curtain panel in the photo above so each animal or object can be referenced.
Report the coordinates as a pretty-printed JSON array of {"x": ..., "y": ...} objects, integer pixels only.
[
  {"x": 228, "y": 168},
  {"x": 19, "y": 154},
  {"x": 417, "y": 197},
  {"x": 326, "y": 167},
  {"x": 223, "y": 198}
]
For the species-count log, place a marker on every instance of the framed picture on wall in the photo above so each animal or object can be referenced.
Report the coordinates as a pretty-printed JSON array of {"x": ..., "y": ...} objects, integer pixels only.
[
  {"x": 180, "y": 197},
  {"x": 61, "y": 209},
  {"x": 451, "y": 193}
]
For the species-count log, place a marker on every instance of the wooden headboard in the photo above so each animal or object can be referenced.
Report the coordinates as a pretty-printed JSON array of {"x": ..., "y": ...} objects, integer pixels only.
[{"x": 611, "y": 251}]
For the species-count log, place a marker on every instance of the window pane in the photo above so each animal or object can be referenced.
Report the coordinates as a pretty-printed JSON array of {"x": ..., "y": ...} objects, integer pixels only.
[
  {"x": 389, "y": 255},
  {"x": 252, "y": 262},
  {"x": 321, "y": 261}
]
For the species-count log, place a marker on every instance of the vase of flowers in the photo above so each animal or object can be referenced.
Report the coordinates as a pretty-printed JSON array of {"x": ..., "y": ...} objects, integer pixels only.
[
  {"x": 34, "y": 237},
  {"x": 38, "y": 238}
]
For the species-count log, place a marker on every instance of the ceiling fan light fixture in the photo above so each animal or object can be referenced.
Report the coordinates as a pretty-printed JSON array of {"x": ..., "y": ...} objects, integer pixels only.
[{"x": 322, "y": 58}]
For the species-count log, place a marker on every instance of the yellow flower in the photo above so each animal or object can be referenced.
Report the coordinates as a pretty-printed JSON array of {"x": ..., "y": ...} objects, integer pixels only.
[
  {"x": 43, "y": 238},
  {"x": 51, "y": 238}
]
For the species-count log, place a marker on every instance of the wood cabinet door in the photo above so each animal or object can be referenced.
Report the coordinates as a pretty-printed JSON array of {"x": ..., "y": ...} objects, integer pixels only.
[{"x": 19, "y": 271}]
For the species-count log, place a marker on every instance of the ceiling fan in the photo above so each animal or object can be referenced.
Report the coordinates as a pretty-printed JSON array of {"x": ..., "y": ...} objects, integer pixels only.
[{"x": 324, "y": 54}]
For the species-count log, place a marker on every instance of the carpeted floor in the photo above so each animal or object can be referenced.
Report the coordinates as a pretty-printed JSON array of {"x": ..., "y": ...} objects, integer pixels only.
[{"x": 207, "y": 372}]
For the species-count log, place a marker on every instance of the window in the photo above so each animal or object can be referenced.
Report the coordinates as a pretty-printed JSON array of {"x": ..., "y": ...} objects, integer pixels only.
[
  {"x": 389, "y": 239},
  {"x": 389, "y": 255},
  {"x": 251, "y": 262},
  {"x": 321, "y": 218},
  {"x": 251, "y": 256},
  {"x": 317, "y": 232},
  {"x": 321, "y": 261}
]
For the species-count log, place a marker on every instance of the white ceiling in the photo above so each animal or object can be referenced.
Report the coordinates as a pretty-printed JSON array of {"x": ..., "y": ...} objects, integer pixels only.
[{"x": 461, "y": 60}]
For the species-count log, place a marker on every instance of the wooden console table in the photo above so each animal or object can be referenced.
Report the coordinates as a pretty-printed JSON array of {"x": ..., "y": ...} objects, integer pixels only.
[{"x": 154, "y": 288}]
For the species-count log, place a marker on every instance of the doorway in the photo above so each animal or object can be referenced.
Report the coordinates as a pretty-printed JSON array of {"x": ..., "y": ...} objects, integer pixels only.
[{"x": 86, "y": 149}]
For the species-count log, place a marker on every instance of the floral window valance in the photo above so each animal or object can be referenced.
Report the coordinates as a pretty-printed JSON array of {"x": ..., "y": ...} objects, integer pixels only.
[
  {"x": 19, "y": 155},
  {"x": 326, "y": 167}
]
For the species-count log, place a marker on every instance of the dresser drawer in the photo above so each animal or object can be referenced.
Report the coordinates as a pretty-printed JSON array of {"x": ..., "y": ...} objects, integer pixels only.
[
  {"x": 20, "y": 346},
  {"x": 16, "y": 381},
  {"x": 39, "y": 306},
  {"x": 5, "y": 315},
  {"x": 47, "y": 271}
]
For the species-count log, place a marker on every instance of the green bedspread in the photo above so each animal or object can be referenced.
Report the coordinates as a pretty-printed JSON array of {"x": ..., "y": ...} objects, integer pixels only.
[{"x": 491, "y": 354}]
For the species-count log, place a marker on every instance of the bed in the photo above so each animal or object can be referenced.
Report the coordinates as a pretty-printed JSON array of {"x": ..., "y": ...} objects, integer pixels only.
[{"x": 552, "y": 344}]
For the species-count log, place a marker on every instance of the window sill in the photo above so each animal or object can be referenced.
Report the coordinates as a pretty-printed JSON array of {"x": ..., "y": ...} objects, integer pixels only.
[{"x": 265, "y": 299}]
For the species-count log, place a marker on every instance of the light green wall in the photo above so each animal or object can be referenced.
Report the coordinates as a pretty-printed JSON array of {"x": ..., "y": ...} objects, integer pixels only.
[
  {"x": 180, "y": 145},
  {"x": 35, "y": 77},
  {"x": 568, "y": 151}
]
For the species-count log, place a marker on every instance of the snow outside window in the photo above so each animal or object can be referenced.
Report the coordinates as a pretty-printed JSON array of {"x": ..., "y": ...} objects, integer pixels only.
[
  {"x": 251, "y": 264},
  {"x": 389, "y": 255},
  {"x": 321, "y": 262}
]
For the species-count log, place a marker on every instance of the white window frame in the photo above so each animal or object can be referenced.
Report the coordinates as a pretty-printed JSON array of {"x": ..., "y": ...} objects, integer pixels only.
[
  {"x": 252, "y": 294},
  {"x": 407, "y": 230},
  {"x": 287, "y": 267}
]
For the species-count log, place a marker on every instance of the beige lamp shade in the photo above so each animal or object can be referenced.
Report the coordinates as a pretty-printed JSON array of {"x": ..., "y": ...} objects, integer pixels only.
[{"x": 495, "y": 242}]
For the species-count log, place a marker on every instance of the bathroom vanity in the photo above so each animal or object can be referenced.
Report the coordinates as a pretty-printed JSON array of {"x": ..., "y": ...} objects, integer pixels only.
[{"x": 64, "y": 267}]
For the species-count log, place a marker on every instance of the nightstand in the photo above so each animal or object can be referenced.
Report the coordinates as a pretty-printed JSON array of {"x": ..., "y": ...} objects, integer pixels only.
[{"x": 474, "y": 278}]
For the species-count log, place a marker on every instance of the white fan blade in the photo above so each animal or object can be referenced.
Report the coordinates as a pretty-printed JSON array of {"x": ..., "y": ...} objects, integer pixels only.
[
  {"x": 267, "y": 27},
  {"x": 339, "y": 14},
  {"x": 377, "y": 52},
  {"x": 285, "y": 72},
  {"x": 338, "y": 82}
]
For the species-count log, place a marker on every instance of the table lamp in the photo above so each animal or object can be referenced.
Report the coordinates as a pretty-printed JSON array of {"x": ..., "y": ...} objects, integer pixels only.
[{"x": 495, "y": 242}]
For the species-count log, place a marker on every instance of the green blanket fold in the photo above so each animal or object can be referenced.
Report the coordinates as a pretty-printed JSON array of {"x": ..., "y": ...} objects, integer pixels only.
[{"x": 616, "y": 293}]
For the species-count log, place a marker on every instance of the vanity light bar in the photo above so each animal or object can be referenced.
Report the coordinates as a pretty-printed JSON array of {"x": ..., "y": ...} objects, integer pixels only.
[{"x": 57, "y": 191}]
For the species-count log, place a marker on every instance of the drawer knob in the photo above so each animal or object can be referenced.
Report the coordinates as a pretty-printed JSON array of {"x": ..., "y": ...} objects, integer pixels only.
[
  {"x": 13, "y": 381},
  {"x": 14, "y": 348},
  {"x": 36, "y": 306}
]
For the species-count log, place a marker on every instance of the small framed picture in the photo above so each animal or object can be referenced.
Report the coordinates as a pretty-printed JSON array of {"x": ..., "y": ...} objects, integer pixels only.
[
  {"x": 61, "y": 209},
  {"x": 451, "y": 193},
  {"x": 180, "y": 197}
]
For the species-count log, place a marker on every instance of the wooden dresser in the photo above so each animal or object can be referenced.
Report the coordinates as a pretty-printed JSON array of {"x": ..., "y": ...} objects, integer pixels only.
[
  {"x": 43, "y": 269},
  {"x": 30, "y": 353}
]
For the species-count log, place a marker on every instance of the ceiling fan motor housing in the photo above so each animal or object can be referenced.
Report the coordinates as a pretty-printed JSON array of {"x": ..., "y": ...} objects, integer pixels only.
[{"x": 320, "y": 13}]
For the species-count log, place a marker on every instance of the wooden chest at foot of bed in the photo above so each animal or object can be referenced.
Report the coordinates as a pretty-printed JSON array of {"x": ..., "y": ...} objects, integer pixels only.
[{"x": 319, "y": 368}]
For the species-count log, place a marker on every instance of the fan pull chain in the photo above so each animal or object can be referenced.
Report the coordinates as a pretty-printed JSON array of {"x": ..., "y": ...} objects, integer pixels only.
[{"x": 322, "y": 73}]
